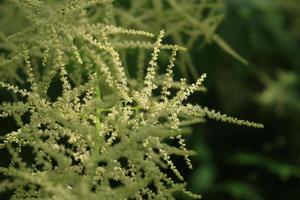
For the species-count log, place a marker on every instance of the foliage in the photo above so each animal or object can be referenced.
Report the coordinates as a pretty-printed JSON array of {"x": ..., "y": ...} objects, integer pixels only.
[
  {"x": 265, "y": 33},
  {"x": 191, "y": 24}
]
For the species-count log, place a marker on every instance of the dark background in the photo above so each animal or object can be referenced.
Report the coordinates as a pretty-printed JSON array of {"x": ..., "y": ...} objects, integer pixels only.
[{"x": 244, "y": 163}]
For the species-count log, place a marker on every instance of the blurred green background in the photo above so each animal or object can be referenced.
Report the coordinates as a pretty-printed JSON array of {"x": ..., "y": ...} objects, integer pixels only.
[
  {"x": 242, "y": 163},
  {"x": 237, "y": 162}
]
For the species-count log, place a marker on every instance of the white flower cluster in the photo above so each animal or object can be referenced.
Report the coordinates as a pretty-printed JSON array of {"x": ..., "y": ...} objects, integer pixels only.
[{"x": 105, "y": 135}]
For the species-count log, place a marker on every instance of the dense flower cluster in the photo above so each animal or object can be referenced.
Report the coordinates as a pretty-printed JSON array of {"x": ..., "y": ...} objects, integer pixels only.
[{"x": 107, "y": 134}]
